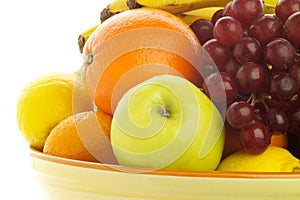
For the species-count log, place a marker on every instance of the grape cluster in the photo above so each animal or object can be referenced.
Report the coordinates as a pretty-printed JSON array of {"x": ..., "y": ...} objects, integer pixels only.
[{"x": 258, "y": 57}]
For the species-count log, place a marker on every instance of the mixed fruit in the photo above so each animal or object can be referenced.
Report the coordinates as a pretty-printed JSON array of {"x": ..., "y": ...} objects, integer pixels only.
[{"x": 177, "y": 87}]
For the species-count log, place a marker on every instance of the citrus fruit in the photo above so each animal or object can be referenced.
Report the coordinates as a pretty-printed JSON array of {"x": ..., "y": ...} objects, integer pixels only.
[
  {"x": 280, "y": 140},
  {"x": 136, "y": 45},
  {"x": 42, "y": 104},
  {"x": 74, "y": 137},
  {"x": 273, "y": 159},
  {"x": 81, "y": 99}
]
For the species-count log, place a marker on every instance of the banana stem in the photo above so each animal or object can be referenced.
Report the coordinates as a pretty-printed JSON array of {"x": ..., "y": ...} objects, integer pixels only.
[{"x": 105, "y": 14}]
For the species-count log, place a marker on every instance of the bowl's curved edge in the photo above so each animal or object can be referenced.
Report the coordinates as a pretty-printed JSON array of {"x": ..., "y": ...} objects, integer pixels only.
[{"x": 189, "y": 173}]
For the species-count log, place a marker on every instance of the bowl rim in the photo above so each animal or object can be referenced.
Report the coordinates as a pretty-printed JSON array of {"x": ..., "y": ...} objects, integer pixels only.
[{"x": 165, "y": 172}]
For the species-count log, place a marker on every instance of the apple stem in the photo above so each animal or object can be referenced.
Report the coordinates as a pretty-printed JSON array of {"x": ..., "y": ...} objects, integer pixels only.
[{"x": 163, "y": 111}]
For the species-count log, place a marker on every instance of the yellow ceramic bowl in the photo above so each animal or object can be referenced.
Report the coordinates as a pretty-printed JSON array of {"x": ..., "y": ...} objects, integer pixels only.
[{"x": 64, "y": 179}]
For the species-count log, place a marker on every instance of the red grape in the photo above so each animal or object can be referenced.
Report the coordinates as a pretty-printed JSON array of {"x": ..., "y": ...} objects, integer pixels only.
[
  {"x": 246, "y": 11},
  {"x": 279, "y": 53},
  {"x": 284, "y": 8},
  {"x": 250, "y": 77},
  {"x": 217, "y": 15},
  {"x": 231, "y": 66},
  {"x": 217, "y": 83},
  {"x": 228, "y": 30},
  {"x": 247, "y": 49},
  {"x": 278, "y": 104},
  {"x": 218, "y": 52},
  {"x": 203, "y": 29},
  {"x": 292, "y": 29},
  {"x": 239, "y": 114},
  {"x": 255, "y": 138},
  {"x": 294, "y": 72},
  {"x": 228, "y": 9},
  {"x": 277, "y": 121},
  {"x": 266, "y": 28},
  {"x": 282, "y": 86}
]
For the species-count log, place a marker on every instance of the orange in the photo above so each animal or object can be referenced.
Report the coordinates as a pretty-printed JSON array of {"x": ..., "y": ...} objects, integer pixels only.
[
  {"x": 280, "y": 140},
  {"x": 78, "y": 137},
  {"x": 133, "y": 46},
  {"x": 232, "y": 143}
]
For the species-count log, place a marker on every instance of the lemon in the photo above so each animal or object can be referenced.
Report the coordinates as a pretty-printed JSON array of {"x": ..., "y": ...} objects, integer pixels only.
[
  {"x": 45, "y": 102},
  {"x": 274, "y": 159}
]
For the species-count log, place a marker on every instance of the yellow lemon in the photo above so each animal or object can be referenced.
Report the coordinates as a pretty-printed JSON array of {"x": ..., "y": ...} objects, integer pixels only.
[
  {"x": 274, "y": 159},
  {"x": 45, "y": 102}
]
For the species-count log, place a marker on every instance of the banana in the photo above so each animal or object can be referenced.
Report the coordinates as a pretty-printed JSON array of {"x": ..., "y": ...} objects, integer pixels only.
[
  {"x": 269, "y": 6},
  {"x": 180, "y": 6},
  {"x": 83, "y": 37},
  {"x": 202, "y": 13},
  {"x": 115, "y": 7},
  {"x": 176, "y": 6}
]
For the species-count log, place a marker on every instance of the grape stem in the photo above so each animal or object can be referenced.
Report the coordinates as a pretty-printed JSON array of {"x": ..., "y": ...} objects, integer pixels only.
[{"x": 252, "y": 100}]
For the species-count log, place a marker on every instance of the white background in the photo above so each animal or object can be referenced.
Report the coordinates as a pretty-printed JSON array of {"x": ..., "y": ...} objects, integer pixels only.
[{"x": 36, "y": 37}]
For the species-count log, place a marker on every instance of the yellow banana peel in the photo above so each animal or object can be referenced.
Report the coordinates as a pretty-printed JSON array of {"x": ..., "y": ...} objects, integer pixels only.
[
  {"x": 115, "y": 7},
  {"x": 202, "y": 13},
  {"x": 176, "y": 6},
  {"x": 83, "y": 37}
]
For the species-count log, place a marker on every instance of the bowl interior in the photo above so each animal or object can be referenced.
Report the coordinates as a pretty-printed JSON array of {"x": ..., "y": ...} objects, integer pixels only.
[
  {"x": 66, "y": 179},
  {"x": 129, "y": 169}
]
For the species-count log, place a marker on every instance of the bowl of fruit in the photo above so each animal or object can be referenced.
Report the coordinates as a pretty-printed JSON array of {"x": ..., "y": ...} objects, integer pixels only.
[{"x": 184, "y": 100}]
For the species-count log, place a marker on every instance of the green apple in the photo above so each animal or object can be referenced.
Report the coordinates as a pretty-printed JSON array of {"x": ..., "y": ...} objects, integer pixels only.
[{"x": 167, "y": 122}]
